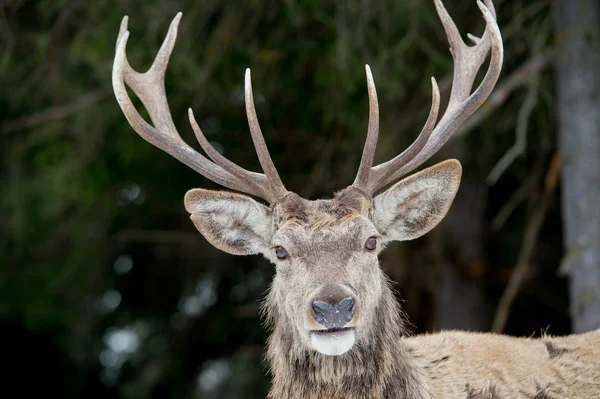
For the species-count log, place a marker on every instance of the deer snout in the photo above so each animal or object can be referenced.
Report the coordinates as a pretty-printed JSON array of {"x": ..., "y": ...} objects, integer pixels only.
[{"x": 333, "y": 306}]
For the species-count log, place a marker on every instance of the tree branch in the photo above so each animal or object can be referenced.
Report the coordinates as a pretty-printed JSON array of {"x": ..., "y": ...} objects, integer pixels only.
[
  {"x": 56, "y": 113},
  {"x": 531, "y": 234}
]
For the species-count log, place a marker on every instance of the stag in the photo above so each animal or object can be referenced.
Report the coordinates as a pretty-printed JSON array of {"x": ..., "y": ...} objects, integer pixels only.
[{"x": 337, "y": 329}]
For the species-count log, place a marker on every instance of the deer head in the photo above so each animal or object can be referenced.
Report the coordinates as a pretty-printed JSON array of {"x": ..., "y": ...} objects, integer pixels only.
[{"x": 328, "y": 283}]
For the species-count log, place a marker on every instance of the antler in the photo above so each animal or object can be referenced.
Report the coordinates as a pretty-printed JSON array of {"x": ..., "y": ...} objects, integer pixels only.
[
  {"x": 150, "y": 88},
  {"x": 462, "y": 104}
]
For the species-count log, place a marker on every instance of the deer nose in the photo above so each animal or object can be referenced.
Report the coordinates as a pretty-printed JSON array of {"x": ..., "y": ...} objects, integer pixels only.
[{"x": 333, "y": 315}]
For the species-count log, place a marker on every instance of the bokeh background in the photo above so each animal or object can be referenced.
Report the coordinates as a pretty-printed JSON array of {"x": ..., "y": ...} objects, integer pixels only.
[{"x": 108, "y": 291}]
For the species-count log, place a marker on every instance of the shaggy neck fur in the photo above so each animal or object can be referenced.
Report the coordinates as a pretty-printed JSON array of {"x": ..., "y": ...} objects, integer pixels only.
[{"x": 377, "y": 367}]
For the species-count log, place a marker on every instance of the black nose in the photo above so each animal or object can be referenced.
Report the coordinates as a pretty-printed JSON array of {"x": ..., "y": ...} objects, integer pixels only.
[{"x": 333, "y": 316}]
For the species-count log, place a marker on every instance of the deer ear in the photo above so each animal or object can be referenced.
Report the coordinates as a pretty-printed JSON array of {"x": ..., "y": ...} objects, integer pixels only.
[
  {"x": 232, "y": 222},
  {"x": 415, "y": 205}
]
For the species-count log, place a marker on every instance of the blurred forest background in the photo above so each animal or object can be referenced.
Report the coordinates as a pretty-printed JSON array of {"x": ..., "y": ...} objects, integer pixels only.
[{"x": 108, "y": 291}]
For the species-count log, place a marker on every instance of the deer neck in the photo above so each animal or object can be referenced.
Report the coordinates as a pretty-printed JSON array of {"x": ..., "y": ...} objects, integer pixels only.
[{"x": 383, "y": 367}]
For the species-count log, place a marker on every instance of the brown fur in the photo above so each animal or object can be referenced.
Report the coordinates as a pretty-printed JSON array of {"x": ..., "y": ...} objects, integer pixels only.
[
  {"x": 325, "y": 240},
  {"x": 378, "y": 368},
  {"x": 445, "y": 365},
  {"x": 346, "y": 205}
]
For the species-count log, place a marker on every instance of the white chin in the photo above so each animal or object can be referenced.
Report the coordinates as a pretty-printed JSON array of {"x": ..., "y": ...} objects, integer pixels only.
[{"x": 333, "y": 343}]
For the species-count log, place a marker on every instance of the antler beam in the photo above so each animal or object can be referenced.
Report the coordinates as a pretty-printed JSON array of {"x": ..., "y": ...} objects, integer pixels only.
[
  {"x": 150, "y": 89},
  {"x": 462, "y": 103}
]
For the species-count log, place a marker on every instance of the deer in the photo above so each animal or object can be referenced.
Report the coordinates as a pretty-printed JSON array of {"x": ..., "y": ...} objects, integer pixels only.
[{"x": 336, "y": 328}]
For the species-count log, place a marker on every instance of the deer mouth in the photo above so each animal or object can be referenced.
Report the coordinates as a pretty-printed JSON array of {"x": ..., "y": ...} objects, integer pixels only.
[
  {"x": 333, "y": 341},
  {"x": 332, "y": 330}
]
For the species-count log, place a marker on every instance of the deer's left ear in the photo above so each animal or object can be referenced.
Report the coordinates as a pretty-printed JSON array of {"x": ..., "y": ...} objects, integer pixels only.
[{"x": 415, "y": 205}]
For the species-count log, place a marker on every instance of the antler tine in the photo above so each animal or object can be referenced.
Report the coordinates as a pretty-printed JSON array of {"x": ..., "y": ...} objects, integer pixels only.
[
  {"x": 264, "y": 157},
  {"x": 381, "y": 175},
  {"x": 150, "y": 89},
  {"x": 145, "y": 85},
  {"x": 462, "y": 103},
  {"x": 223, "y": 162},
  {"x": 467, "y": 59},
  {"x": 366, "y": 162}
]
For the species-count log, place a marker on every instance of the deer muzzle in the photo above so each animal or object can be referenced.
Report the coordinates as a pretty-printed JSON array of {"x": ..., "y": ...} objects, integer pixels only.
[{"x": 332, "y": 311}]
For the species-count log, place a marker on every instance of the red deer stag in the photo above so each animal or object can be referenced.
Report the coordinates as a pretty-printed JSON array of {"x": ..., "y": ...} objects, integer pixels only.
[{"x": 338, "y": 331}]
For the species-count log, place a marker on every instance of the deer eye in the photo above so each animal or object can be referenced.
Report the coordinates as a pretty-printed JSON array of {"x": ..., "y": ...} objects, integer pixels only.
[
  {"x": 371, "y": 243},
  {"x": 281, "y": 253}
]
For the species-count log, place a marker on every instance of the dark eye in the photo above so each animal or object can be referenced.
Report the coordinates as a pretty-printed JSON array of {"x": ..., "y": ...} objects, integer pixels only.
[
  {"x": 371, "y": 243},
  {"x": 281, "y": 253}
]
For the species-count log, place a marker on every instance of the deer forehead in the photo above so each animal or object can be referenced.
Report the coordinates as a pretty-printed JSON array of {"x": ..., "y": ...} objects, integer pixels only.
[
  {"x": 312, "y": 228},
  {"x": 347, "y": 205},
  {"x": 340, "y": 237}
]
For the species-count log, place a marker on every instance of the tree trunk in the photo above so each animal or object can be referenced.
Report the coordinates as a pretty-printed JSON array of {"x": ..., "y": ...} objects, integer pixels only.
[
  {"x": 460, "y": 299},
  {"x": 578, "y": 86}
]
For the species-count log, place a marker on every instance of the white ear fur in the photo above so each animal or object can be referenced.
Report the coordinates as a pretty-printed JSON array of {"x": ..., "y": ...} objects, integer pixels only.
[
  {"x": 232, "y": 222},
  {"x": 415, "y": 205}
]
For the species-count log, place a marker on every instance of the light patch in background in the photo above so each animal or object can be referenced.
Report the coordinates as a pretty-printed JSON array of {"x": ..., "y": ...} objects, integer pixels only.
[
  {"x": 231, "y": 377},
  {"x": 214, "y": 373},
  {"x": 120, "y": 346},
  {"x": 122, "y": 340},
  {"x": 107, "y": 302},
  {"x": 111, "y": 299},
  {"x": 123, "y": 265},
  {"x": 131, "y": 194},
  {"x": 204, "y": 296}
]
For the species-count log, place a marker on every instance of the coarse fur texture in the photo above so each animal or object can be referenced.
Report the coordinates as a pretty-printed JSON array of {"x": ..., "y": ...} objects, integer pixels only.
[
  {"x": 492, "y": 366},
  {"x": 325, "y": 243}
]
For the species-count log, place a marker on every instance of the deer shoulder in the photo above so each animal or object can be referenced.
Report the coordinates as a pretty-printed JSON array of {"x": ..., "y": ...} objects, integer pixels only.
[{"x": 461, "y": 364}]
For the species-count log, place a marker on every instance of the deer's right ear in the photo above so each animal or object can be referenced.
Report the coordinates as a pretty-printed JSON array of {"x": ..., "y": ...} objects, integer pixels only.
[{"x": 232, "y": 222}]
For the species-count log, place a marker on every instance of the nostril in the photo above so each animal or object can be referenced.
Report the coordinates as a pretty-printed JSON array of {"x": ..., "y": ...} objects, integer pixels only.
[
  {"x": 347, "y": 305},
  {"x": 320, "y": 311},
  {"x": 316, "y": 308},
  {"x": 320, "y": 306}
]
